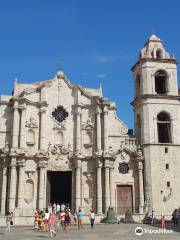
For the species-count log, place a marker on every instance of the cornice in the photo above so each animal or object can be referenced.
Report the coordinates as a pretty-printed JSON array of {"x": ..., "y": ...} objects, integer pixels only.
[
  {"x": 172, "y": 60},
  {"x": 154, "y": 96},
  {"x": 27, "y": 101}
]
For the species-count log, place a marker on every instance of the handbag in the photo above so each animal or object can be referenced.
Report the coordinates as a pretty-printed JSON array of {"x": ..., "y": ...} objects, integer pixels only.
[{"x": 11, "y": 222}]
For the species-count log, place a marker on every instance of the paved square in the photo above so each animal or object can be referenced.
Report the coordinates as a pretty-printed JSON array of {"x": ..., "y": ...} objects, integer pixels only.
[{"x": 100, "y": 232}]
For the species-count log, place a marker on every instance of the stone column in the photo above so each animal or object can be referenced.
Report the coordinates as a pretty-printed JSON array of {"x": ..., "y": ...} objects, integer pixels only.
[
  {"x": 42, "y": 169},
  {"x": 141, "y": 187},
  {"x": 78, "y": 129},
  {"x": 15, "y": 130},
  {"x": 155, "y": 130},
  {"x": 78, "y": 185},
  {"x": 45, "y": 189},
  {"x": 73, "y": 189},
  {"x": 107, "y": 190},
  {"x": 12, "y": 185},
  {"x": 98, "y": 130},
  {"x": 42, "y": 142},
  {"x": 3, "y": 190},
  {"x": 21, "y": 185},
  {"x": 22, "y": 127},
  {"x": 111, "y": 183},
  {"x": 105, "y": 113},
  {"x": 99, "y": 187}
]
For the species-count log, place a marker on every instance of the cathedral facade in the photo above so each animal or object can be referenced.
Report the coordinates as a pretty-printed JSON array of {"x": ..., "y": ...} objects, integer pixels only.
[{"x": 64, "y": 143}]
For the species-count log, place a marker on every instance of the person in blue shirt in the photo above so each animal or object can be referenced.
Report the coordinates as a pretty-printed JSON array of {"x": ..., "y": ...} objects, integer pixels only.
[{"x": 80, "y": 218}]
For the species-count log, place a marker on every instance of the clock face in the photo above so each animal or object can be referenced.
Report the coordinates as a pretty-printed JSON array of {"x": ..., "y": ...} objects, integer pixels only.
[{"x": 60, "y": 114}]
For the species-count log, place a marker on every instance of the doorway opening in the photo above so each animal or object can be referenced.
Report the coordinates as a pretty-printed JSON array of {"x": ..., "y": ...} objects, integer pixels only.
[
  {"x": 124, "y": 198},
  {"x": 59, "y": 185}
]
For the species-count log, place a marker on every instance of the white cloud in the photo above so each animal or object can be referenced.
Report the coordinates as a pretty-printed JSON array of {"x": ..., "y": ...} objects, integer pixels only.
[
  {"x": 102, "y": 75},
  {"x": 85, "y": 73},
  {"x": 105, "y": 58}
]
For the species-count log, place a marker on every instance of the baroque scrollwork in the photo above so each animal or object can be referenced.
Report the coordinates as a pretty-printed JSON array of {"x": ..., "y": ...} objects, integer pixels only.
[
  {"x": 5, "y": 149},
  {"x": 32, "y": 123},
  {"x": 123, "y": 130},
  {"x": 58, "y": 149},
  {"x": 87, "y": 125},
  {"x": 59, "y": 126}
]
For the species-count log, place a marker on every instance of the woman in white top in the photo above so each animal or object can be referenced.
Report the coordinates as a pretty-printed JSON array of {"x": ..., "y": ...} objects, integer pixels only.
[
  {"x": 92, "y": 218},
  {"x": 46, "y": 220}
]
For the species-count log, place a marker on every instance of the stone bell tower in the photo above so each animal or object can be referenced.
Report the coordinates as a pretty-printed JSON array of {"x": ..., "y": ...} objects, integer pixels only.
[{"x": 157, "y": 117}]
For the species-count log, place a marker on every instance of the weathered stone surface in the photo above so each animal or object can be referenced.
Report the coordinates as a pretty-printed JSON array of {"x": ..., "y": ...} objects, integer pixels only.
[{"x": 54, "y": 125}]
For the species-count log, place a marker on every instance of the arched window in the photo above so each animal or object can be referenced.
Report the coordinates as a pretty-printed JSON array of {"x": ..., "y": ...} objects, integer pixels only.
[
  {"x": 29, "y": 191},
  {"x": 159, "y": 53},
  {"x": 160, "y": 82},
  {"x": 137, "y": 85},
  {"x": 88, "y": 138},
  {"x": 164, "y": 128},
  {"x": 31, "y": 137},
  {"x": 59, "y": 138},
  {"x": 138, "y": 127}
]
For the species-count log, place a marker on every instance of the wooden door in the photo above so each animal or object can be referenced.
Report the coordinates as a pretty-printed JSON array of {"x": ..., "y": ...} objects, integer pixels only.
[{"x": 124, "y": 198}]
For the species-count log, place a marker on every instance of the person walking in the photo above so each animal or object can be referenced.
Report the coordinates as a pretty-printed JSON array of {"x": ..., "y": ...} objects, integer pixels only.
[
  {"x": 67, "y": 220},
  {"x": 59, "y": 217},
  {"x": 46, "y": 220},
  {"x": 62, "y": 219},
  {"x": 163, "y": 225},
  {"x": 175, "y": 217},
  {"x": 52, "y": 223},
  {"x": 92, "y": 218},
  {"x": 153, "y": 216},
  {"x": 36, "y": 221},
  {"x": 80, "y": 218},
  {"x": 58, "y": 208},
  {"x": 9, "y": 222}
]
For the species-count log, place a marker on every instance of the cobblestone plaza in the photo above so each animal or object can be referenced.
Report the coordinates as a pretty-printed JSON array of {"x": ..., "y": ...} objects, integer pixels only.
[{"x": 101, "y": 231}]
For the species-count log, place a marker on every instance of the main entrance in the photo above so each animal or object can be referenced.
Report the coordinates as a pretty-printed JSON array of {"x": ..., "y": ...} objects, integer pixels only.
[{"x": 59, "y": 184}]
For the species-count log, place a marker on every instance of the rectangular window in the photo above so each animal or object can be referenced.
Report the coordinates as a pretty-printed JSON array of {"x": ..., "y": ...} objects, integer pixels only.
[
  {"x": 168, "y": 184},
  {"x": 166, "y": 150},
  {"x": 167, "y": 166}
]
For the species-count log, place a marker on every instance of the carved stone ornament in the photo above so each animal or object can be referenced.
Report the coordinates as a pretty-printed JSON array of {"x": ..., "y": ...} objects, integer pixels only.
[
  {"x": 111, "y": 153},
  {"x": 59, "y": 164},
  {"x": 59, "y": 126},
  {"x": 32, "y": 123},
  {"x": 123, "y": 168},
  {"x": 59, "y": 149},
  {"x": 60, "y": 114},
  {"x": 123, "y": 130},
  {"x": 42, "y": 154},
  {"x": 30, "y": 173},
  {"x": 6, "y": 148},
  {"x": 88, "y": 125},
  {"x": 19, "y": 151}
]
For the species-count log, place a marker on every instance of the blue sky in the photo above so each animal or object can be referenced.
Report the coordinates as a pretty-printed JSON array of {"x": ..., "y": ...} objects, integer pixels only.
[{"x": 93, "y": 41}]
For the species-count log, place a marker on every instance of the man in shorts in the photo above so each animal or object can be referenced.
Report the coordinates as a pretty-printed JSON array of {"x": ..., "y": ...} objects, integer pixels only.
[{"x": 80, "y": 218}]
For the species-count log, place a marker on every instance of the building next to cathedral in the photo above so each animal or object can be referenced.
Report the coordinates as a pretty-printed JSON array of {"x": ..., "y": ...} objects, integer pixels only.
[{"x": 64, "y": 143}]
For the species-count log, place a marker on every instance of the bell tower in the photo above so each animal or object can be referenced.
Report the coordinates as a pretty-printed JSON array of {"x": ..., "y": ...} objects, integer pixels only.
[{"x": 157, "y": 124}]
